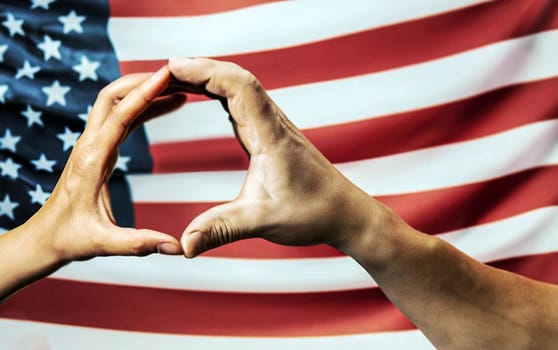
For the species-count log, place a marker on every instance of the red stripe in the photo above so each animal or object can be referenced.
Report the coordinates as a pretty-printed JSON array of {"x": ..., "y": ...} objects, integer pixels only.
[
  {"x": 204, "y": 313},
  {"x": 170, "y": 8},
  {"x": 480, "y": 203},
  {"x": 233, "y": 314},
  {"x": 463, "y": 120},
  {"x": 390, "y": 46},
  {"x": 430, "y": 211}
]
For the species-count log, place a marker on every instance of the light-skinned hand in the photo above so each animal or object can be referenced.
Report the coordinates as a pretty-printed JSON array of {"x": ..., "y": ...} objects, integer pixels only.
[{"x": 76, "y": 222}]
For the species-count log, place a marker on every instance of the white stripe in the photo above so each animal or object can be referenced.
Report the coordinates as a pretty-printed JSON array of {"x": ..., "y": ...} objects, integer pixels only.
[
  {"x": 530, "y": 233},
  {"x": 449, "y": 165},
  {"x": 379, "y": 94},
  {"x": 264, "y": 27},
  {"x": 35, "y": 335}
]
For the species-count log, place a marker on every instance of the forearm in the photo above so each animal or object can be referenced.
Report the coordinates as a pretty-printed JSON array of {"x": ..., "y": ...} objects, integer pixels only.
[
  {"x": 23, "y": 259},
  {"x": 455, "y": 300}
]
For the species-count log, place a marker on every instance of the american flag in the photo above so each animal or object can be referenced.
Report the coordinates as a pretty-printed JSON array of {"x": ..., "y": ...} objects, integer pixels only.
[
  {"x": 55, "y": 58},
  {"x": 444, "y": 110}
]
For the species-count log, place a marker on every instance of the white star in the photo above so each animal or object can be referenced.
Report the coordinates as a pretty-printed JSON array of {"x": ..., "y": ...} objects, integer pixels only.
[
  {"x": 38, "y": 196},
  {"x": 83, "y": 116},
  {"x": 9, "y": 141},
  {"x": 69, "y": 138},
  {"x": 3, "y": 49},
  {"x": 43, "y": 163},
  {"x": 14, "y": 25},
  {"x": 72, "y": 22},
  {"x": 7, "y": 207},
  {"x": 50, "y": 48},
  {"x": 122, "y": 163},
  {"x": 33, "y": 117},
  {"x": 86, "y": 69},
  {"x": 41, "y": 3},
  {"x": 9, "y": 168},
  {"x": 56, "y": 93},
  {"x": 3, "y": 90},
  {"x": 27, "y": 71}
]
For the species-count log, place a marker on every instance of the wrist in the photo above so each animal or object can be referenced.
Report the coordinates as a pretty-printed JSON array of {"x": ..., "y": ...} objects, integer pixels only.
[
  {"x": 380, "y": 237},
  {"x": 39, "y": 237},
  {"x": 26, "y": 258}
]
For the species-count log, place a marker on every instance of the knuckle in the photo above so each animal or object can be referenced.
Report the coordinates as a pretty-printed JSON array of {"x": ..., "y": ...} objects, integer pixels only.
[
  {"x": 247, "y": 79},
  {"x": 143, "y": 99},
  {"x": 113, "y": 92},
  {"x": 82, "y": 165},
  {"x": 117, "y": 115},
  {"x": 239, "y": 76},
  {"x": 123, "y": 114},
  {"x": 107, "y": 93},
  {"x": 85, "y": 161},
  {"x": 222, "y": 232},
  {"x": 139, "y": 246}
]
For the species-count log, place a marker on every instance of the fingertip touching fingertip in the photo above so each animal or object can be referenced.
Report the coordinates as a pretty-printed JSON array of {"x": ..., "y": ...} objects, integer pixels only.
[
  {"x": 169, "y": 248},
  {"x": 178, "y": 60},
  {"x": 163, "y": 72},
  {"x": 191, "y": 243}
]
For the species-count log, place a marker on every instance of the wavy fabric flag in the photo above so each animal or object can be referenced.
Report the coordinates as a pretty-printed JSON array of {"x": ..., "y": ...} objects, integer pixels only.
[{"x": 444, "y": 110}]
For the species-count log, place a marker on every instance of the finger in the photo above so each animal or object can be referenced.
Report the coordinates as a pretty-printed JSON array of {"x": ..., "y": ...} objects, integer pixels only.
[
  {"x": 94, "y": 153},
  {"x": 110, "y": 95},
  {"x": 259, "y": 121},
  {"x": 161, "y": 106},
  {"x": 119, "y": 120},
  {"x": 176, "y": 85},
  {"x": 139, "y": 242},
  {"x": 221, "y": 225}
]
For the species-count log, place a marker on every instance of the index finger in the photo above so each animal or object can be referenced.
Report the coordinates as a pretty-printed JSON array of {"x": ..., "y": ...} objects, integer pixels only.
[
  {"x": 121, "y": 117},
  {"x": 258, "y": 121},
  {"x": 108, "y": 97}
]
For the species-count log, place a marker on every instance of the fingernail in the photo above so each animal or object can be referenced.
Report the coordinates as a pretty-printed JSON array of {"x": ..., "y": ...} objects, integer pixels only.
[
  {"x": 179, "y": 58},
  {"x": 195, "y": 239},
  {"x": 169, "y": 248}
]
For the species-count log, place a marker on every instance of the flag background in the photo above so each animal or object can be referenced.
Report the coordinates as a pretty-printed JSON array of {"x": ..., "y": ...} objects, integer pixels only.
[{"x": 445, "y": 111}]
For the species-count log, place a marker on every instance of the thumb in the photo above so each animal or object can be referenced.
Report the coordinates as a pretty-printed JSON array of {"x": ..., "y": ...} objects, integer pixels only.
[
  {"x": 218, "y": 226},
  {"x": 139, "y": 242}
]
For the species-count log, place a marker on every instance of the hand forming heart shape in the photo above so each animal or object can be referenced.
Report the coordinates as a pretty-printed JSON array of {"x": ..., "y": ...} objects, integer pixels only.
[{"x": 292, "y": 194}]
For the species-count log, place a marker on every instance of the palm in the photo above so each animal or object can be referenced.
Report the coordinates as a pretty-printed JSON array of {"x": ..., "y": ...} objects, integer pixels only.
[
  {"x": 279, "y": 199},
  {"x": 292, "y": 194}
]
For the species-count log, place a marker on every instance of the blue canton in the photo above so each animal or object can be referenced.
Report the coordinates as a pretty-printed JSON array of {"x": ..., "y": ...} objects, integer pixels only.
[{"x": 55, "y": 56}]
